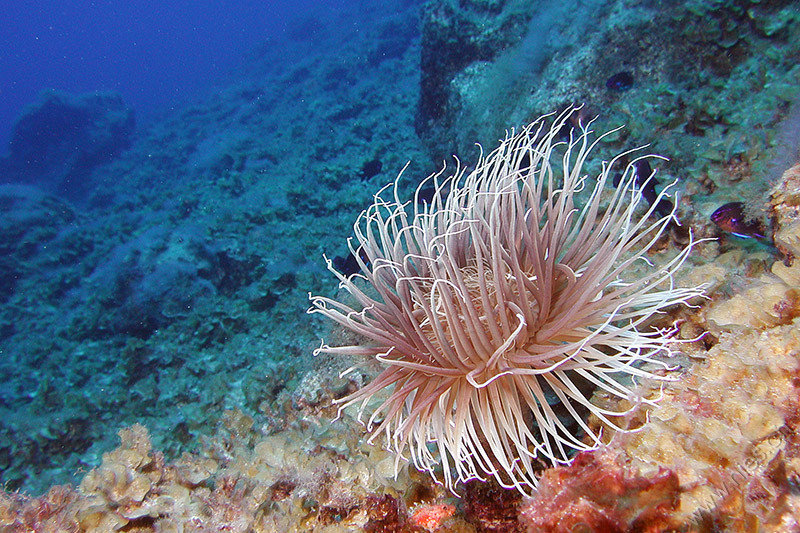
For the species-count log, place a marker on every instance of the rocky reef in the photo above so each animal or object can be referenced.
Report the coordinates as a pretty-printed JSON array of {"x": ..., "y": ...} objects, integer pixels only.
[{"x": 719, "y": 452}]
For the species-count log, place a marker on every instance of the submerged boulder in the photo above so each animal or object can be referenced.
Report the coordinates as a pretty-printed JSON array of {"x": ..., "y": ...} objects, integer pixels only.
[{"x": 60, "y": 139}]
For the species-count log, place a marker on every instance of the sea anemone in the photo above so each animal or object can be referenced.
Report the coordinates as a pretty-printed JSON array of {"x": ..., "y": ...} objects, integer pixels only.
[{"x": 500, "y": 306}]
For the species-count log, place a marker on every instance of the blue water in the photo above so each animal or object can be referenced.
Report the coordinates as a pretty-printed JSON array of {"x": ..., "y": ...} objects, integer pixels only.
[{"x": 154, "y": 53}]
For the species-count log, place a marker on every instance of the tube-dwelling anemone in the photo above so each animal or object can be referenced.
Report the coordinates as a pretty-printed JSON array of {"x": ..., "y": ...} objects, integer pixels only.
[{"x": 499, "y": 306}]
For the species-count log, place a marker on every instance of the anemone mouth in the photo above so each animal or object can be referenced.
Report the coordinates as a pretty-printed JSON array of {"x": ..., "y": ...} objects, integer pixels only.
[
  {"x": 503, "y": 297},
  {"x": 468, "y": 309}
]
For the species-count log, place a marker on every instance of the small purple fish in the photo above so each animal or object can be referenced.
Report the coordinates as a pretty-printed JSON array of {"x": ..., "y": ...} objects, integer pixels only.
[
  {"x": 349, "y": 265},
  {"x": 371, "y": 169},
  {"x": 621, "y": 81},
  {"x": 645, "y": 179},
  {"x": 732, "y": 218}
]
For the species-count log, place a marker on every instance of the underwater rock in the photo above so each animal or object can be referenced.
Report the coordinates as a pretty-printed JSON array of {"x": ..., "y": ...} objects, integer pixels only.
[
  {"x": 60, "y": 139},
  {"x": 595, "y": 493},
  {"x": 39, "y": 234},
  {"x": 30, "y": 220},
  {"x": 785, "y": 213},
  {"x": 151, "y": 281},
  {"x": 454, "y": 35},
  {"x": 768, "y": 303},
  {"x": 724, "y": 426},
  {"x": 492, "y": 508}
]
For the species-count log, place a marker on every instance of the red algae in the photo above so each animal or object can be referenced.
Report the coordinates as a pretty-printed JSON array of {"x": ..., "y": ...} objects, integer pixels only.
[
  {"x": 594, "y": 493},
  {"x": 430, "y": 517}
]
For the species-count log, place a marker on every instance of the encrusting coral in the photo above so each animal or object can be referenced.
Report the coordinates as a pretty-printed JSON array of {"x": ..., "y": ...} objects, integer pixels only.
[
  {"x": 497, "y": 307},
  {"x": 299, "y": 480},
  {"x": 295, "y": 481}
]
